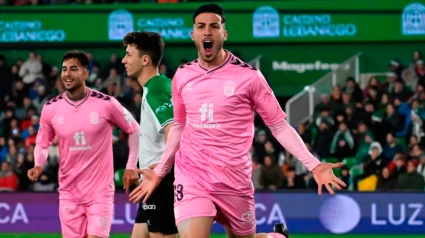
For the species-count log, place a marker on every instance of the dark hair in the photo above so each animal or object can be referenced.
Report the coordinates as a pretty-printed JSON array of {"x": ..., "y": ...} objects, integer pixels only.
[
  {"x": 147, "y": 42},
  {"x": 210, "y": 8},
  {"x": 290, "y": 169},
  {"x": 80, "y": 55}
]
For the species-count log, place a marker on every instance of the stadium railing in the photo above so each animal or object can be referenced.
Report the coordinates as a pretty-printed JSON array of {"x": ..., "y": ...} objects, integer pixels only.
[{"x": 300, "y": 108}]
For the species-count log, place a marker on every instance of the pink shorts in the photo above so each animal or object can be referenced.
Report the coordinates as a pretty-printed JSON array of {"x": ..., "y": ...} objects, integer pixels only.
[
  {"x": 78, "y": 220},
  {"x": 235, "y": 213}
]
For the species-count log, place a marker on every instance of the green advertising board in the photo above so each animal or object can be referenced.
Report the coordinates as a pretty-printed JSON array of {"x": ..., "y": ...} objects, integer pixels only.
[{"x": 248, "y": 22}]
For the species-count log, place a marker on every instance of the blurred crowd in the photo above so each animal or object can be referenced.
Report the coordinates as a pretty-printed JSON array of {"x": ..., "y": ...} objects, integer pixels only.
[{"x": 377, "y": 131}]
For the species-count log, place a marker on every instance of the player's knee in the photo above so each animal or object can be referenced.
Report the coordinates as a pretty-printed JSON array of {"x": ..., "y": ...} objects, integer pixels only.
[
  {"x": 140, "y": 230},
  {"x": 94, "y": 236},
  {"x": 262, "y": 235},
  {"x": 160, "y": 235},
  {"x": 252, "y": 235},
  {"x": 199, "y": 227}
]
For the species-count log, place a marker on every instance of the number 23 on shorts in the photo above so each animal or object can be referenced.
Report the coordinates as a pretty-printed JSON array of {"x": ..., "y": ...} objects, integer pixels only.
[{"x": 178, "y": 192}]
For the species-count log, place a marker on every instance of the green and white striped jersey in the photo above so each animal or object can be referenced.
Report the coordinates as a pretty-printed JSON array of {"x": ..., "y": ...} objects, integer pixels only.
[{"x": 156, "y": 113}]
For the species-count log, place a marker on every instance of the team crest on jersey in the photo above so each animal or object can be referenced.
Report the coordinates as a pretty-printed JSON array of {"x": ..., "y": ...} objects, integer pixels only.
[
  {"x": 94, "y": 118},
  {"x": 229, "y": 88}
]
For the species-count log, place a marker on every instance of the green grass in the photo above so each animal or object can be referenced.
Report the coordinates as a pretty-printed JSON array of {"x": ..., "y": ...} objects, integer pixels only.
[{"x": 10, "y": 235}]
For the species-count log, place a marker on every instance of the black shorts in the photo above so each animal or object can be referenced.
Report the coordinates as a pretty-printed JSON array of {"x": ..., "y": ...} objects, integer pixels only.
[{"x": 158, "y": 212}]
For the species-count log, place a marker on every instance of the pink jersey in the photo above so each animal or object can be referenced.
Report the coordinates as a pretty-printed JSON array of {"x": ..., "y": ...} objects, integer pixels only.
[
  {"x": 217, "y": 107},
  {"x": 84, "y": 132}
]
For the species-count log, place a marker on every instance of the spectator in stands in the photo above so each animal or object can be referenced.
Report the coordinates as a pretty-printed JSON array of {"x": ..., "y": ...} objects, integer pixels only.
[
  {"x": 386, "y": 180},
  {"x": 391, "y": 147},
  {"x": 94, "y": 75},
  {"x": 304, "y": 133},
  {"x": 20, "y": 170},
  {"x": 373, "y": 164},
  {"x": 416, "y": 57},
  {"x": 271, "y": 175},
  {"x": 323, "y": 139},
  {"x": 325, "y": 116},
  {"x": 30, "y": 69},
  {"x": 398, "y": 165},
  {"x": 42, "y": 98},
  {"x": 373, "y": 97},
  {"x": 392, "y": 119},
  {"x": 32, "y": 135},
  {"x": 413, "y": 141},
  {"x": 420, "y": 71},
  {"x": 4, "y": 150},
  {"x": 336, "y": 96},
  {"x": 165, "y": 70},
  {"x": 385, "y": 100},
  {"x": 325, "y": 102},
  {"x": 349, "y": 118},
  {"x": 45, "y": 67},
  {"x": 354, "y": 89},
  {"x": 339, "y": 108},
  {"x": 8, "y": 179},
  {"x": 373, "y": 82},
  {"x": 293, "y": 181},
  {"x": 113, "y": 78},
  {"x": 411, "y": 180},
  {"x": 342, "y": 143},
  {"x": 375, "y": 161},
  {"x": 421, "y": 166},
  {"x": 114, "y": 64},
  {"x": 19, "y": 93},
  {"x": 400, "y": 91},
  {"x": 414, "y": 153},
  {"x": 397, "y": 68},
  {"x": 364, "y": 140}
]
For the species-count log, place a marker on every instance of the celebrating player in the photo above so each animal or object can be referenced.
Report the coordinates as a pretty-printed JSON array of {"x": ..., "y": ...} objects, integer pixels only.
[
  {"x": 82, "y": 120},
  {"x": 144, "y": 51},
  {"x": 214, "y": 98}
]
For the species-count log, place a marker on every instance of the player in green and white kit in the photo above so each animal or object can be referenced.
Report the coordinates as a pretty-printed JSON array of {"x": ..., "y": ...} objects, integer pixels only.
[{"x": 144, "y": 51}]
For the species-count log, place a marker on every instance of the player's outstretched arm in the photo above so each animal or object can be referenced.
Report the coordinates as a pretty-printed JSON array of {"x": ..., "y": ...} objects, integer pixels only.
[
  {"x": 121, "y": 117},
  {"x": 175, "y": 134},
  {"x": 130, "y": 175},
  {"x": 40, "y": 158},
  {"x": 45, "y": 136},
  {"x": 269, "y": 109}
]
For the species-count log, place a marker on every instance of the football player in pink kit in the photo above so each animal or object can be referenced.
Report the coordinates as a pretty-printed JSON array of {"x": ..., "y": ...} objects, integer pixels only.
[
  {"x": 82, "y": 120},
  {"x": 214, "y": 98}
]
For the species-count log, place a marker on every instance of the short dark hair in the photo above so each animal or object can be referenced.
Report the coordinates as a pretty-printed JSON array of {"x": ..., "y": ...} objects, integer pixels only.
[
  {"x": 210, "y": 8},
  {"x": 147, "y": 42},
  {"x": 80, "y": 55}
]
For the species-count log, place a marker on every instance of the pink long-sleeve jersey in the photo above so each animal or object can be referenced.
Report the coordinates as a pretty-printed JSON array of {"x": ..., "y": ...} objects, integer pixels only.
[{"x": 84, "y": 132}]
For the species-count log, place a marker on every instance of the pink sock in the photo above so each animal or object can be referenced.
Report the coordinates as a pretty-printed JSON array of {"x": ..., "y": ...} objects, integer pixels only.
[{"x": 276, "y": 235}]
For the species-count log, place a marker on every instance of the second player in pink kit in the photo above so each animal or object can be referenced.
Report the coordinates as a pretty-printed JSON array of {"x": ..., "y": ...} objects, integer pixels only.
[
  {"x": 83, "y": 126},
  {"x": 214, "y": 98}
]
